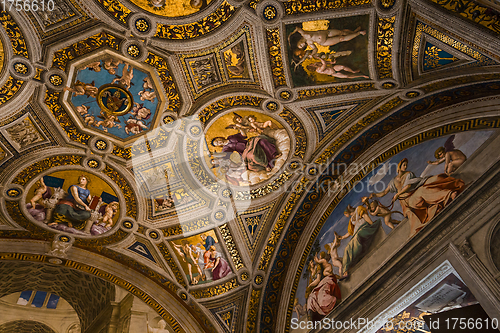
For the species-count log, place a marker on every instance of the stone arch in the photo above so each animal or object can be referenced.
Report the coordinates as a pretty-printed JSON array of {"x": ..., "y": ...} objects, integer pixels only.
[
  {"x": 87, "y": 294},
  {"x": 21, "y": 326}
]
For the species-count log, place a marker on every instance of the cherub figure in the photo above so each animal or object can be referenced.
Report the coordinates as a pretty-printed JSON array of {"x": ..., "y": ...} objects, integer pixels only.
[
  {"x": 140, "y": 112},
  {"x": 93, "y": 66},
  {"x": 332, "y": 249},
  {"x": 147, "y": 85},
  {"x": 328, "y": 68},
  {"x": 89, "y": 119},
  {"x": 82, "y": 110},
  {"x": 452, "y": 157},
  {"x": 108, "y": 121},
  {"x": 81, "y": 88},
  {"x": 258, "y": 126},
  {"x": 109, "y": 213},
  {"x": 134, "y": 126},
  {"x": 111, "y": 65},
  {"x": 323, "y": 262},
  {"x": 39, "y": 192},
  {"x": 147, "y": 95},
  {"x": 241, "y": 124},
  {"x": 375, "y": 208},
  {"x": 127, "y": 76},
  {"x": 300, "y": 39}
]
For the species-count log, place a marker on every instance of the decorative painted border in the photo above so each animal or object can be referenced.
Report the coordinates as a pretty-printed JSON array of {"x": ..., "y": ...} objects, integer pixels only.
[
  {"x": 385, "y": 33},
  {"x": 81, "y": 48},
  {"x": 16, "y": 37},
  {"x": 209, "y": 112},
  {"x": 160, "y": 63},
  {"x": 472, "y": 11},
  {"x": 215, "y": 290},
  {"x": 344, "y": 89},
  {"x": 253, "y": 310},
  {"x": 275, "y": 235},
  {"x": 356, "y": 148},
  {"x": 274, "y": 51},
  {"x": 459, "y": 80},
  {"x": 105, "y": 276},
  {"x": 196, "y": 29},
  {"x": 186, "y": 227},
  {"x": 231, "y": 246},
  {"x": 19, "y": 47},
  {"x": 309, "y": 6},
  {"x": 356, "y": 128},
  {"x": 116, "y": 9},
  {"x": 299, "y": 131}
]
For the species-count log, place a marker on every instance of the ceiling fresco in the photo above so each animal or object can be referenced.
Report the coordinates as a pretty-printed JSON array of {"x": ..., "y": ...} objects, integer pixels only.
[{"x": 238, "y": 165}]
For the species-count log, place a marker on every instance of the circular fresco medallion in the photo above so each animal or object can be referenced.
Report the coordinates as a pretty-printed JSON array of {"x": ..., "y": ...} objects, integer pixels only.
[
  {"x": 74, "y": 201},
  {"x": 247, "y": 147},
  {"x": 172, "y": 8},
  {"x": 114, "y": 100}
]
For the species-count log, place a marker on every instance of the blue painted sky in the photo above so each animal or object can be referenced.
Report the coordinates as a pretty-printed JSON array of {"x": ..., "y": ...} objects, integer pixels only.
[{"x": 103, "y": 77}]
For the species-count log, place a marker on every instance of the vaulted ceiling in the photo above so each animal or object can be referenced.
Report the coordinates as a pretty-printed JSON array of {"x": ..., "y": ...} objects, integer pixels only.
[{"x": 132, "y": 93}]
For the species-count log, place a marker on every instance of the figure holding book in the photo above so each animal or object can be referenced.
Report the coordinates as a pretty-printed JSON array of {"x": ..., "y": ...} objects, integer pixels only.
[{"x": 74, "y": 210}]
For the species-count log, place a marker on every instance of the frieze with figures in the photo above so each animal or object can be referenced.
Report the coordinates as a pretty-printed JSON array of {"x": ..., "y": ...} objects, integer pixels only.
[{"x": 311, "y": 202}]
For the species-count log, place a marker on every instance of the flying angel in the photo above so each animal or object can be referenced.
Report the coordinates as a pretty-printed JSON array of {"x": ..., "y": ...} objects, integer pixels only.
[{"x": 449, "y": 154}]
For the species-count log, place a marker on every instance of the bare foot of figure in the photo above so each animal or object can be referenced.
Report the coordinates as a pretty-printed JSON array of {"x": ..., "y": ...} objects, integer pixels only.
[{"x": 362, "y": 32}]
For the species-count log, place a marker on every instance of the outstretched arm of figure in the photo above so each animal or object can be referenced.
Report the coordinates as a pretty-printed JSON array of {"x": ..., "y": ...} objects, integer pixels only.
[
  {"x": 74, "y": 192},
  {"x": 436, "y": 162},
  {"x": 347, "y": 235},
  {"x": 380, "y": 194}
]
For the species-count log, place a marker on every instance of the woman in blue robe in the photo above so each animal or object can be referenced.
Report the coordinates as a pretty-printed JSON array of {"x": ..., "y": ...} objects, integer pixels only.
[{"x": 74, "y": 210}]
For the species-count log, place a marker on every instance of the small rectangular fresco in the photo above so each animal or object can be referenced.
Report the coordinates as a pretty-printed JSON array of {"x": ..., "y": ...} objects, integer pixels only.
[
  {"x": 407, "y": 191},
  {"x": 201, "y": 258},
  {"x": 328, "y": 51}
]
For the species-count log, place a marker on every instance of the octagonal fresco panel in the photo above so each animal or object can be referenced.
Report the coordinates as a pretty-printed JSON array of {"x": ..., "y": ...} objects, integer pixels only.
[
  {"x": 172, "y": 8},
  {"x": 74, "y": 201},
  {"x": 252, "y": 148},
  {"x": 115, "y": 97},
  {"x": 328, "y": 51}
]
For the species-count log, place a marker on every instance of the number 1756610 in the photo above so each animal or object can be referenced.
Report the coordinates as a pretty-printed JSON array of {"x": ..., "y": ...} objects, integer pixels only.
[{"x": 27, "y": 5}]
